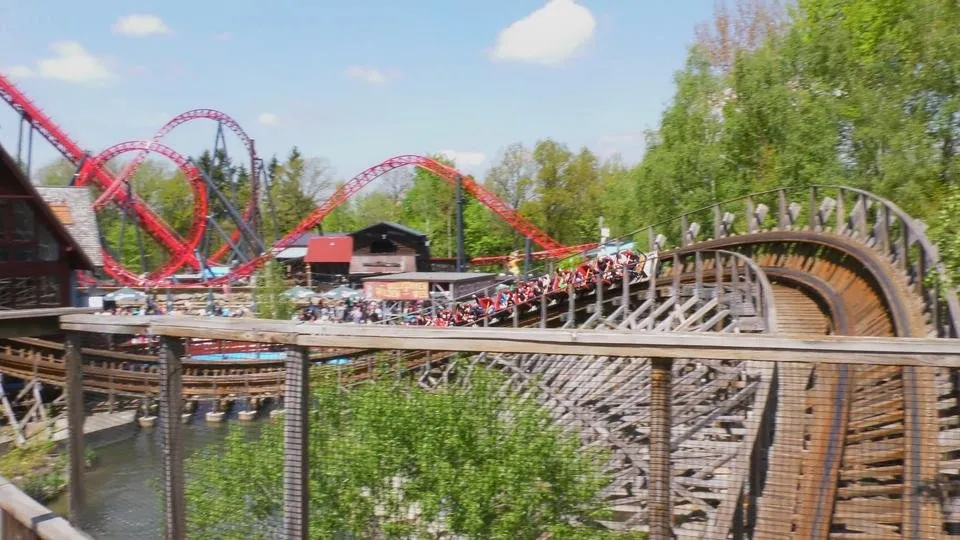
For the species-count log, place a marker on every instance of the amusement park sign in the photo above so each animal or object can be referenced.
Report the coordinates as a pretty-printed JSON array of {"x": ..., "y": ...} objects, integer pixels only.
[{"x": 397, "y": 290}]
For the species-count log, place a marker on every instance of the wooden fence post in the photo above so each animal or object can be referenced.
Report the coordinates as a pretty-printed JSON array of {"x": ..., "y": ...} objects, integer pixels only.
[
  {"x": 543, "y": 308},
  {"x": 625, "y": 291},
  {"x": 75, "y": 418},
  {"x": 658, "y": 490},
  {"x": 171, "y": 433},
  {"x": 295, "y": 444}
]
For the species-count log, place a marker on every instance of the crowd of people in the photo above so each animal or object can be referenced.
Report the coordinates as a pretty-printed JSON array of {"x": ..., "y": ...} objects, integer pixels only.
[
  {"x": 606, "y": 269},
  {"x": 150, "y": 306},
  {"x": 498, "y": 301},
  {"x": 472, "y": 311},
  {"x": 346, "y": 310}
]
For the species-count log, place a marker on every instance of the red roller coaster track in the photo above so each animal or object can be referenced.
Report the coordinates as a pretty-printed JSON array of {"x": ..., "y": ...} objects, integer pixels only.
[
  {"x": 196, "y": 114},
  {"x": 177, "y": 258},
  {"x": 182, "y": 250}
]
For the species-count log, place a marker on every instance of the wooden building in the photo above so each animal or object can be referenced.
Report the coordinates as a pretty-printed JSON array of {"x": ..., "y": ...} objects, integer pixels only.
[
  {"x": 328, "y": 258},
  {"x": 38, "y": 256},
  {"x": 292, "y": 255},
  {"x": 389, "y": 248},
  {"x": 73, "y": 207},
  {"x": 443, "y": 264},
  {"x": 382, "y": 248}
]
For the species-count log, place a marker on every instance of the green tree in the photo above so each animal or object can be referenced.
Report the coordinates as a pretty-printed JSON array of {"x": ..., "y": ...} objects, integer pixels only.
[
  {"x": 554, "y": 205},
  {"x": 430, "y": 206},
  {"x": 512, "y": 180},
  {"x": 482, "y": 231},
  {"x": 58, "y": 172},
  {"x": 297, "y": 186},
  {"x": 342, "y": 219},
  {"x": 582, "y": 184},
  {"x": 680, "y": 168},
  {"x": 616, "y": 198},
  {"x": 271, "y": 302},
  {"x": 470, "y": 459}
]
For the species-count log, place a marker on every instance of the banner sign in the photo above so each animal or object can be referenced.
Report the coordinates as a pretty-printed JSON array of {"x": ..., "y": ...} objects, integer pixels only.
[
  {"x": 397, "y": 290},
  {"x": 383, "y": 264}
]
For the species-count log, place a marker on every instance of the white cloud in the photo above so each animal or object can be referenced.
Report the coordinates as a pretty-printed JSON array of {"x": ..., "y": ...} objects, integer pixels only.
[
  {"x": 547, "y": 36},
  {"x": 19, "y": 72},
  {"x": 464, "y": 159},
  {"x": 268, "y": 119},
  {"x": 140, "y": 25},
  {"x": 71, "y": 63},
  {"x": 370, "y": 75}
]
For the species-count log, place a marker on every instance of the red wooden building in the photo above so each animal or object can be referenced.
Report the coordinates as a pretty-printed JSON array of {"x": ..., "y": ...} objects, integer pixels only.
[{"x": 328, "y": 257}]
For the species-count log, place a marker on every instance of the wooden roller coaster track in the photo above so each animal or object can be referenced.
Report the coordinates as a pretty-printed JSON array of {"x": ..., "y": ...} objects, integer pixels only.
[
  {"x": 847, "y": 452},
  {"x": 772, "y": 451}
]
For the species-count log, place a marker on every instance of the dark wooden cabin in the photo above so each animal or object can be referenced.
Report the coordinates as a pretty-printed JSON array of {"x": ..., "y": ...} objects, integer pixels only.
[
  {"x": 38, "y": 256},
  {"x": 389, "y": 248}
]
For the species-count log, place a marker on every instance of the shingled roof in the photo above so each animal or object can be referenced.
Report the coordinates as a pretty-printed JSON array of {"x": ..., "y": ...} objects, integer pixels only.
[{"x": 73, "y": 207}]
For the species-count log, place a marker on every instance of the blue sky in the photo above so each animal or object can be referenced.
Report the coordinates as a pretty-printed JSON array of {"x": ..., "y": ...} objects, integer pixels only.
[{"x": 354, "y": 82}]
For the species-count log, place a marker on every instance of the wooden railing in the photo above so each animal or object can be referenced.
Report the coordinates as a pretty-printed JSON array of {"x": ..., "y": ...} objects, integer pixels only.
[
  {"x": 22, "y": 518},
  {"x": 566, "y": 346}
]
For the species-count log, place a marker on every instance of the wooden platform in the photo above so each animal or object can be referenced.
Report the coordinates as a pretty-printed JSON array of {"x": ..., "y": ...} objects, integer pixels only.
[
  {"x": 35, "y": 322},
  {"x": 98, "y": 426},
  {"x": 771, "y": 348}
]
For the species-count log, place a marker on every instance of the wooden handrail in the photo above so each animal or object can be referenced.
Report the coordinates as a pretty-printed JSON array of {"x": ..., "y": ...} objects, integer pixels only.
[
  {"x": 773, "y": 347},
  {"x": 23, "y": 517}
]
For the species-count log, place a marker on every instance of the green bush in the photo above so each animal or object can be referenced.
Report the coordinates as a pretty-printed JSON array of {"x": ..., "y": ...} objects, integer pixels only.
[
  {"x": 390, "y": 459},
  {"x": 36, "y": 468}
]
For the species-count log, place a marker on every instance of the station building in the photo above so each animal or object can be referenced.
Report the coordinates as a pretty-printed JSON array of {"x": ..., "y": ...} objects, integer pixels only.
[{"x": 380, "y": 249}]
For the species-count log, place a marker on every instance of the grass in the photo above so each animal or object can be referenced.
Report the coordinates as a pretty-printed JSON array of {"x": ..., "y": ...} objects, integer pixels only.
[{"x": 36, "y": 468}]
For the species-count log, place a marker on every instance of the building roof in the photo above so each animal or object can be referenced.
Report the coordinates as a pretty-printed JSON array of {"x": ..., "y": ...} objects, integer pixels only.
[
  {"x": 76, "y": 255},
  {"x": 392, "y": 225},
  {"x": 294, "y": 252},
  {"x": 304, "y": 239},
  {"x": 329, "y": 249},
  {"x": 435, "y": 277},
  {"x": 73, "y": 206}
]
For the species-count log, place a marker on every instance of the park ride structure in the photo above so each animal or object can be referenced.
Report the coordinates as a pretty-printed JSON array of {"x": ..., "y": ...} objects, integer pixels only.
[
  {"x": 847, "y": 451},
  {"x": 244, "y": 243}
]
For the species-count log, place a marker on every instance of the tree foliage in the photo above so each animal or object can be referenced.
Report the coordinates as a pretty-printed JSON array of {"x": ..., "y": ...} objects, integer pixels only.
[
  {"x": 297, "y": 186},
  {"x": 391, "y": 460},
  {"x": 855, "y": 92},
  {"x": 269, "y": 297},
  {"x": 58, "y": 172}
]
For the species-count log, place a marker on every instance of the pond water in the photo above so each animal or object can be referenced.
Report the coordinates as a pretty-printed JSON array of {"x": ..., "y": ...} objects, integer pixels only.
[{"x": 122, "y": 489}]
